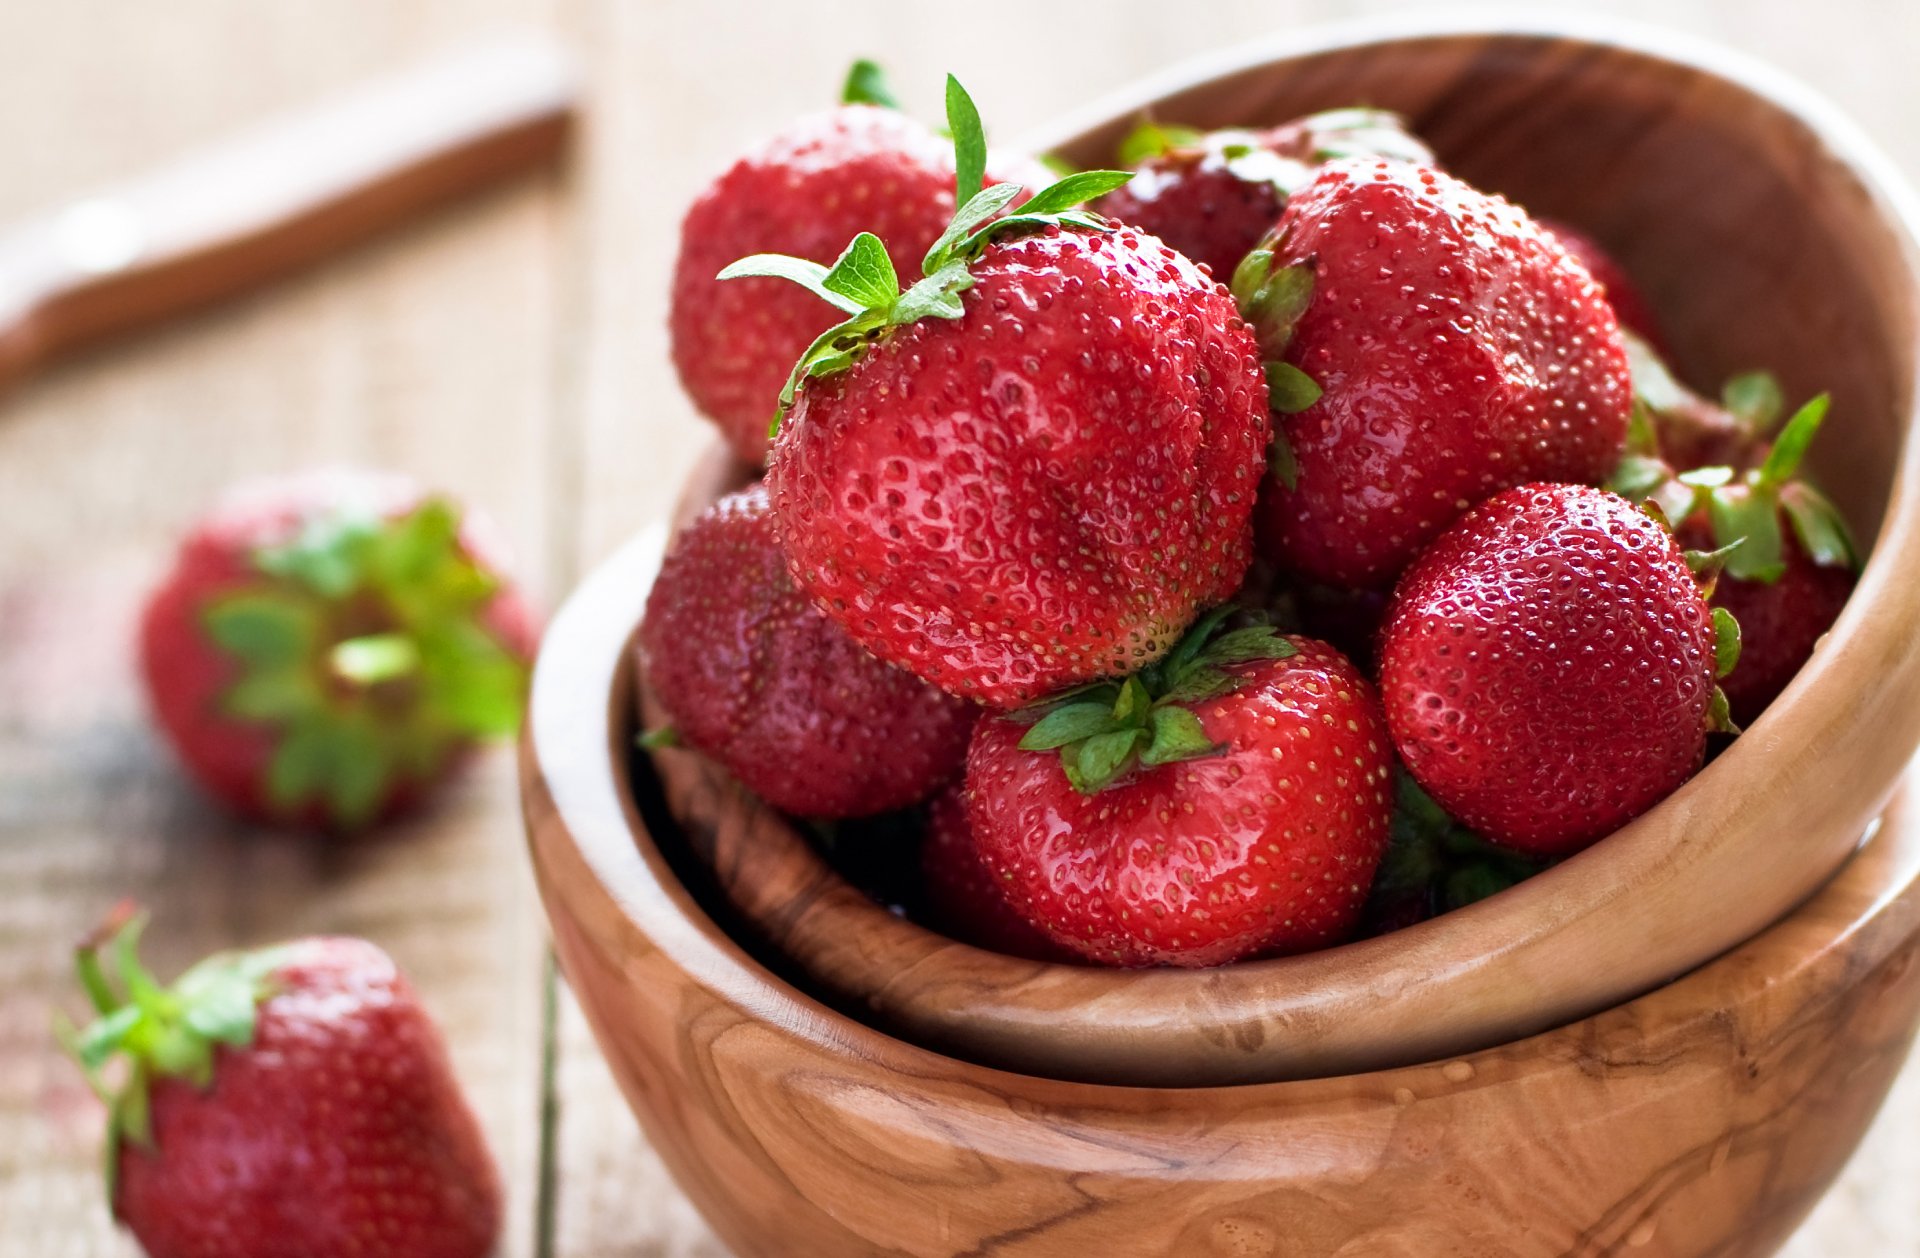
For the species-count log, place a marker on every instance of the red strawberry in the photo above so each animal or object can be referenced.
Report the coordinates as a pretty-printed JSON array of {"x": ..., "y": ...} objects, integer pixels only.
[
  {"x": 1630, "y": 305},
  {"x": 962, "y": 898},
  {"x": 805, "y": 192},
  {"x": 1213, "y": 195},
  {"x": 291, "y": 1103},
  {"x": 755, "y": 677},
  {"x": 1032, "y": 468},
  {"x": 1231, "y": 802},
  {"x": 1792, "y": 565},
  {"x": 328, "y": 646},
  {"x": 1438, "y": 347},
  {"x": 1548, "y": 667}
]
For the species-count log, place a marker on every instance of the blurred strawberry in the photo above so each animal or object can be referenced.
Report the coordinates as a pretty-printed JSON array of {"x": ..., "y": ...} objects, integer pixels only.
[
  {"x": 328, "y": 646},
  {"x": 1632, "y": 308},
  {"x": 295, "y": 1102},
  {"x": 962, "y": 898}
]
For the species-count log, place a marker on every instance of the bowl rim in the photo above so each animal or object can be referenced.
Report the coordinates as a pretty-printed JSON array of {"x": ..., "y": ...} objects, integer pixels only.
[{"x": 1606, "y": 879}]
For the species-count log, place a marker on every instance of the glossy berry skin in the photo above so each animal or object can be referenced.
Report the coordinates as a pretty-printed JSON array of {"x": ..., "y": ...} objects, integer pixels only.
[
  {"x": 806, "y": 192},
  {"x": 1266, "y": 847},
  {"x": 188, "y": 675},
  {"x": 1630, "y": 305},
  {"x": 1461, "y": 351},
  {"x": 1779, "y": 622},
  {"x": 756, "y": 678},
  {"x": 1043, "y": 491},
  {"x": 1547, "y": 667},
  {"x": 961, "y": 897},
  {"x": 338, "y": 1132}
]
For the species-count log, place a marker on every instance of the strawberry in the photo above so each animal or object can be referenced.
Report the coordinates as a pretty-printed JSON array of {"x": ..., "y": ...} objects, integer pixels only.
[
  {"x": 1548, "y": 667},
  {"x": 1032, "y": 468},
  {"x": 755, "y": 677},
  {"x": 1213, "y": 195},
  {"x": 328, "y": 646},
  {"x": 1630, "y": 305},
  {"x": 1791, "y": 563},
  {"x": 805, "y": 192},
  {"x": 295, "y": 1102},
  {"x": 1229, "y": 802},
  {"x": 1432, "y": 346},
  {"x": 961, "y": 896}
]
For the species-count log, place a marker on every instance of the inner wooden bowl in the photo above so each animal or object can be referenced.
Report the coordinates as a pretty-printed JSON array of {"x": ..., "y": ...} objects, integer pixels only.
[{"x": 1769, "y": 233}]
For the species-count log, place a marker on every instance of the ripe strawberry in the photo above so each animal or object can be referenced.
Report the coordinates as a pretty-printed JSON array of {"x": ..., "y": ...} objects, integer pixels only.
[
  {"x": 805, "y": 192},
  {"x": 1213, "y": 195},
  {"x": 1630, "y": 305},
  {"x": 1229, "y": 802},
  {"x": 962, "y": 898},
  {"x": 295, "y": 1102},
  {"x": 1792, "y": 565},
  {"x": 1548, "y": 667},
  {"x": 1032, "y": 468},
  {"x": 328, "y": 646},
  {"x": 1436, "y": 347},
  {"x": 755, "y": 677}
]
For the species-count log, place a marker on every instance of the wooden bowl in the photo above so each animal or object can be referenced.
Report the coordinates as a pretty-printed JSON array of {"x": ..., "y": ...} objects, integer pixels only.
[
  {"x": 1768, "y": 232},
  {"x": 1702, "y": 1119}
]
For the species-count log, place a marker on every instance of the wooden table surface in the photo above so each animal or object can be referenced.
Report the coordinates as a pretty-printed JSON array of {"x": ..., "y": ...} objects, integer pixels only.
[{"x": 512, "y": 351}]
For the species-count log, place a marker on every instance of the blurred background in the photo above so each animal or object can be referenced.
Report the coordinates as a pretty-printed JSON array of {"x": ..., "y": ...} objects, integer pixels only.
[{"x": 511, "y": 350}]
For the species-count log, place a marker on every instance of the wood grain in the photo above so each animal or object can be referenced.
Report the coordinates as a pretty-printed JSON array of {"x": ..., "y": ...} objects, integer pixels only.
[{"x": 1704, "y": 1118}]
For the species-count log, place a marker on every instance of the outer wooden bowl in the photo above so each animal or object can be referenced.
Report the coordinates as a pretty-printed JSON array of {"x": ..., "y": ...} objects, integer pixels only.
[
  {"x": 1703, "y": 1119},
  {"x": 1768, "y": 232}
]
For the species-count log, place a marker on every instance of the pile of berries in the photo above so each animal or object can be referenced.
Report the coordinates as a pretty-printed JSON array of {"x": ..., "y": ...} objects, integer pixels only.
[{"x": 1277, "y": 540}]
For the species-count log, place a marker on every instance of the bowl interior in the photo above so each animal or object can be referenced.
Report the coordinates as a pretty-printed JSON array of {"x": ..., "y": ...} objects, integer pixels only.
[{"x": 1768, "y": 233}]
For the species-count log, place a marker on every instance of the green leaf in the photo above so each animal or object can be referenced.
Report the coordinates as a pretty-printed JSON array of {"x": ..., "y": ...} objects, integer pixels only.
[
  {"x": 1652, "y": 382},
  {"x": 1176, "y": 735},
  {"x": 977, "y": 209},
  {"x": 1152, "y": 139},
  {"x": 1281, "y": 461},
  {"x": 1277, "y": 306},
  {"x": 867, "y": 85},
  {"x": 808, "y": 275},
  {"x": 864, "y": 274},
  {"x": 1068, "y": 724},
  {"x": 1105, "y": 757},
  {"x": 1638, "y": 475},
  {"x": 1258, "y": 642},
  {"x": 658, "y": 737},
  {"x": 935, "y": 297},
  {"x": 1720, "y": 714},
  {"x": 1818, "y": 526},
  {"x": 1709, "y": 564},
  {"x": 1250, "y": 276},
  {"x": 1087, "y": 185},
  {"x": 1791, "y": 445},
  {"x": 1199, "y": 684},
  {"x": 1289, "y": 389},
  {"x": 1726, "y": 642},
  {"x": 266, "y": 630},
  {"x": 1743, "y": 516},
  {"x": 1755, "y": 399},
  {"x": 1130, "y": 706},
  {"x": 1187, "y": 650},
  {"x": 969, "y": 142},
  {"x": 223, "y": 1008},
  {"x": 281, "y": 694}
]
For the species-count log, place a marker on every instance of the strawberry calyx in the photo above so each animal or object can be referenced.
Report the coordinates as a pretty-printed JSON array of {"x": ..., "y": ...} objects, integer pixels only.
[
  {"x": 1105, "y": 730},
  {"x": 866, "y": 84},
  {"x": 142, "y": 1031},
  {"x": 1272, "y": 299},
  {"x": 1433, "y": 859},
  {"x": 364, "y": 647},
  {"x": 863, "y": 284}
]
